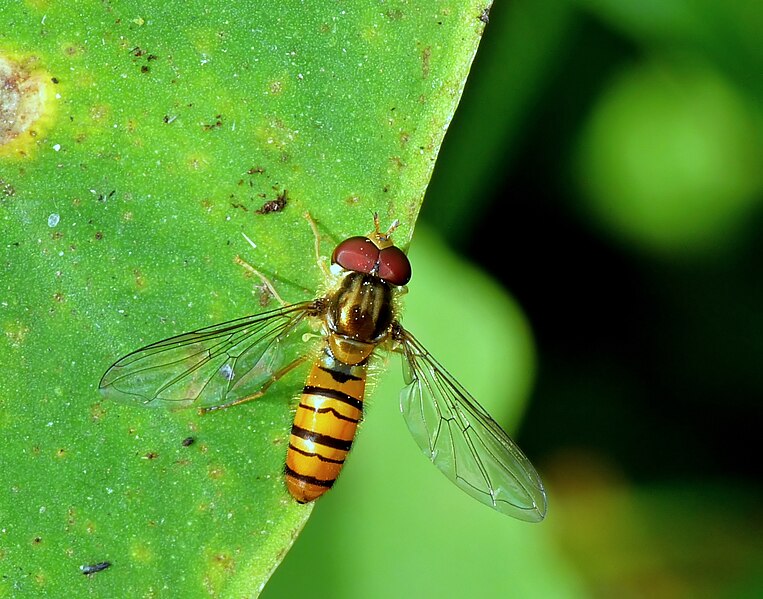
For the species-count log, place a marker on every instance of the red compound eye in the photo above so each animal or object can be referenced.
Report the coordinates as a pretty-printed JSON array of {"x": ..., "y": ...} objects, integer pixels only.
[
  {"x": 358, "y": 254},
  {"x": 394, "y": 266}
]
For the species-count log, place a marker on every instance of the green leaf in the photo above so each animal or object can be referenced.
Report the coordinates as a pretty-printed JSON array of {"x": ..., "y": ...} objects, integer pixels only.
[{"x": 138, "y": 141}]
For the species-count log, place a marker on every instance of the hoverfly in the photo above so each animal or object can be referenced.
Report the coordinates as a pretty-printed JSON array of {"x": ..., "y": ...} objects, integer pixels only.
[{"x": 237, "y": 361}]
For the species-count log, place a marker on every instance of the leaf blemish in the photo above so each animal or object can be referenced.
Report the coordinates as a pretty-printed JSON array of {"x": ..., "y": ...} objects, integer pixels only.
[
  {"x": 226, "y": 562},
  {"x": 218, "y": 122},
  {"x": 426, "y": 57},
  {"x": 140, "y": 281},
  {"x": 276, "y": 205},
  {"x": 16, "y": 334},
  {"x": 25, "y": 104},
  {"x": 216, "y": 472},
  {"x": 97, "y": 412}
]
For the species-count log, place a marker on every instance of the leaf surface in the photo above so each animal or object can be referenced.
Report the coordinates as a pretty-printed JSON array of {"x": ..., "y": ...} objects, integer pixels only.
[{"x": 153, "y": 135}]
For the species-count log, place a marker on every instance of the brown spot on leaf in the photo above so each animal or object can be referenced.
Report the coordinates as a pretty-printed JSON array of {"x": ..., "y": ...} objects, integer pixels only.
[
  {"x": 97, "y": 412},
  {"x": 216, "y": 472},
  {"x": 274, "y": 205},
  {"x": 264, "y": 294},
  {"x": 24, "y": 102},
  {"x": 225, "y": 562},
  {"x": 73, "y": 49},
  {"x": 426, "y": 57},
  {"x": 216, "y": 124}
]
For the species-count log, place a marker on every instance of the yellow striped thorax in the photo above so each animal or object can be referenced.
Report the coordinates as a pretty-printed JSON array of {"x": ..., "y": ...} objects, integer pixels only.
[{"x": 359, "y": 317}]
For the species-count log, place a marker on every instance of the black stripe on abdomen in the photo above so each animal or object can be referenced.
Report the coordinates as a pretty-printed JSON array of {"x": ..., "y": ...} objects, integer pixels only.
[
  {"x": 329, "y": 410},
  {"x": 310, "y": 480},
  {"x": 311, "y": 454},
  {"x": 340, "y": 376},
  {"x": 333, "y": 394},
  {"x": 326, "y": 440}
]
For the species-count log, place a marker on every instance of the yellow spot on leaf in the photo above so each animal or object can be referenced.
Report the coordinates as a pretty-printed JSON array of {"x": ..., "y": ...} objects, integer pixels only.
[
  {"x": 141, "y": 552},
  {"x": 26, "y": 105}
]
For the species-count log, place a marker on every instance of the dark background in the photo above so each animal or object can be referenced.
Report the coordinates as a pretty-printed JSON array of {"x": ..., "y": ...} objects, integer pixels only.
[
  {"x": 651, "y": 359},
  {"x": 649, "y": 346}
]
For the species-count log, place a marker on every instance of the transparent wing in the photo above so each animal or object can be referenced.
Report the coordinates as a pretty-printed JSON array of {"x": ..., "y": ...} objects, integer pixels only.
[
  {"x": 463, "y": 441},
  {"x": 209, "y": 367}
]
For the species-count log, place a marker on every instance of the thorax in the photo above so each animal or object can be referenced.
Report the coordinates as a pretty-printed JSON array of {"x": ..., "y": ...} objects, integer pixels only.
[{"x": 359, "y": 316}]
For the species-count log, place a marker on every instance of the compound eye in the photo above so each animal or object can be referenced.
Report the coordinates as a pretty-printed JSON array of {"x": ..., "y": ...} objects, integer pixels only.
[
  {"x": 394, "y": 266},
  {"x": 358, "y": 254}
]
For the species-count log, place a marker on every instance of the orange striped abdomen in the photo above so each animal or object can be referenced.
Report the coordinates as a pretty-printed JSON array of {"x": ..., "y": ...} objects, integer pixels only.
[{"x": 330, "y": 407}]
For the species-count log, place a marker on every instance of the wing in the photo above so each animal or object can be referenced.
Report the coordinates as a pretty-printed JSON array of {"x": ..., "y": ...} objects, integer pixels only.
[
  {"x": 209, "y": 367},
  {"x": 463, "y": 441}
]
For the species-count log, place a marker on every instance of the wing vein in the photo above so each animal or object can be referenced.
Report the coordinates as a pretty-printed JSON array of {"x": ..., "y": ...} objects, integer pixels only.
[{"x": 463, "y": 441}]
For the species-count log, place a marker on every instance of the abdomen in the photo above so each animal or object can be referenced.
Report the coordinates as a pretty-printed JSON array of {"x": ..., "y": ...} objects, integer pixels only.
[{"x": 330, "y": 408}]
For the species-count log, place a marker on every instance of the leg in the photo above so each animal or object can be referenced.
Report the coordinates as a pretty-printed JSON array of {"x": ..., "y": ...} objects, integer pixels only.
[
  {"x": 317, "y": 237},
  {"x": 276, "y": 376},
  {"x": 272, "y": 290}
]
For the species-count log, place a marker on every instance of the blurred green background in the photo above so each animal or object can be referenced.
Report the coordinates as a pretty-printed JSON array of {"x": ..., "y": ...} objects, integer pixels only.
[{"x": 605, "y": 168}]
